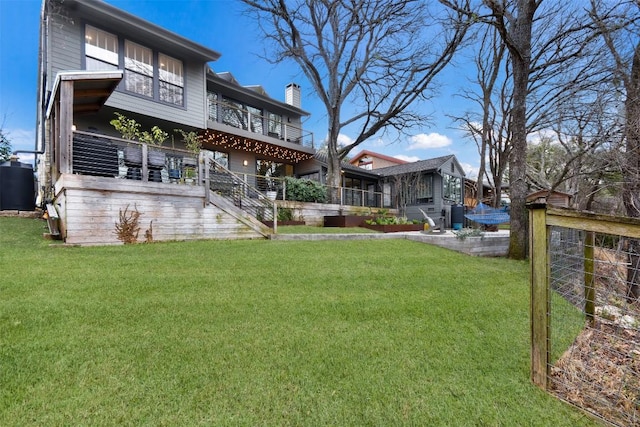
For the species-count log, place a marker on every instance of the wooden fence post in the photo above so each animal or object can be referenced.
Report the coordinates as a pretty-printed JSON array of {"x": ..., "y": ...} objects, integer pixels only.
[
  {"x": 589, "y": 285},
  {"x": 538, "y": 239}
]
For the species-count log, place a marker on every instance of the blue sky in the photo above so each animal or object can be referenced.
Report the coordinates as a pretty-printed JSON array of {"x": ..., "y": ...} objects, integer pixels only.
[{"x": 217, "y": 24}]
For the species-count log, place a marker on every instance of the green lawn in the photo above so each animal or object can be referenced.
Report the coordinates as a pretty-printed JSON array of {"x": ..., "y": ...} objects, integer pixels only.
[{"x": 269, "y": 333}]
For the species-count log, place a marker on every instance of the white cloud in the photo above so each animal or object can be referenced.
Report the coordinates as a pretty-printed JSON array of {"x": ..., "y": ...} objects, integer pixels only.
[
  {"x": 407, "y": 158},
  {"x": 470, "y": 171},
  {"x": 344, "y": 140},
  {"x": 432, "y": 140},
  {"x": 22, "y": 139},
  {"x": 546, "y": 134}
]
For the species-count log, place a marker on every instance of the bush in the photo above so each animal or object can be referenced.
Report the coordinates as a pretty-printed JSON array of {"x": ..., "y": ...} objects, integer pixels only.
[{"x": 304, "y": 190}]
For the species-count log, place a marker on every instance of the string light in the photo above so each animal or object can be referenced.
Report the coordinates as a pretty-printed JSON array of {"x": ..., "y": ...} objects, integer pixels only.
[{"x": 235, "y": 142}]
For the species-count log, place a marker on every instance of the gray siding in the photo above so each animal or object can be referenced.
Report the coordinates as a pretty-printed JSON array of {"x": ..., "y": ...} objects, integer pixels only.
[
  {"x": 64, "y": 48},
  {"x": 193, "y": 115},
  {"x": 65, "y": 54}
]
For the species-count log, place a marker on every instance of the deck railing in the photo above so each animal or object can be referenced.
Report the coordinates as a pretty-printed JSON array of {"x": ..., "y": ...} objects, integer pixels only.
[
  {"x": 253, "y": 120},
  {"x": 100, "y": 155},
  {"x": 235, "y": 189}
]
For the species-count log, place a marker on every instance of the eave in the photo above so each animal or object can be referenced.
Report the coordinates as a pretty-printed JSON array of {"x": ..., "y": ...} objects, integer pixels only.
[{"x": 91, "y": 89}]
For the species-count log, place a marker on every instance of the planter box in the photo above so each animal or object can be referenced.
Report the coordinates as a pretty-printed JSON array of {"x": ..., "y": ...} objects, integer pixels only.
[
  {"x": 394, "y": 228},
  {"x": 270, "y": 223},
  {"x": 345, "y": 220}
]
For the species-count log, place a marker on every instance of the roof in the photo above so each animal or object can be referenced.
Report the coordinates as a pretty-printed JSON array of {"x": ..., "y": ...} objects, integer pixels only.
[
  {"x": 428, "y": 165},
  {"x": 118, "y": 20},
  {"x": 91, "y": 89},
  {"x": 227, "y": 80},
  {"x": 550, "y": 196},
  {"x": 322, "y": 157},
  {"x": 364, "y": 153}
]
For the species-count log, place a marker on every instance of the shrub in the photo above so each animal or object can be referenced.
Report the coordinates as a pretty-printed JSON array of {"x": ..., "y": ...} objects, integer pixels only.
[{"x": 305, "y": 190}]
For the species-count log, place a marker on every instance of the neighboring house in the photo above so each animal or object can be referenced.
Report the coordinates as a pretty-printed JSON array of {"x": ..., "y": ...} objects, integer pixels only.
[
  {"x": 433, "y": 185},
  {"x": 369, "y": 160}
]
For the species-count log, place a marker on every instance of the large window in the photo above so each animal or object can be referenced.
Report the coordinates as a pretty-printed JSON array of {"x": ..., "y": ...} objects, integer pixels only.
[
  {"x": 138, "y": 64},
  {"x": 171, "y": 79},
  {"x": 452, "y": 188},
  {"x": 274, "y": 125},
  {"x": 101, "y": 49},
  {"x": 424, "y": 189},
  {"x": 146, "y": 72}
]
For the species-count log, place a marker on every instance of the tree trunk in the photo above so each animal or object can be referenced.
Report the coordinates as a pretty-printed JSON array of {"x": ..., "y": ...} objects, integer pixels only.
[{"x": 520, "y": 49}]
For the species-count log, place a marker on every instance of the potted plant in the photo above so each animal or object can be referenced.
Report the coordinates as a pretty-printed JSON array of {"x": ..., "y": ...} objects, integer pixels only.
[
  {"x": 156, "y": 137},
  {"x": 129, "y": 129},
  {"x": 193, "y": 143}
]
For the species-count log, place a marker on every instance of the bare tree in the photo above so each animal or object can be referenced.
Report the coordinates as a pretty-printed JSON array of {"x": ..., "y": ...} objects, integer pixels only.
[
  {"x": 487, "y": 127},
  {"x": 404, "y": 189},
  {"x": 544, "y": 45},
  {"x": 617, "y": 25},
  {"x": 367, "y": 60}
]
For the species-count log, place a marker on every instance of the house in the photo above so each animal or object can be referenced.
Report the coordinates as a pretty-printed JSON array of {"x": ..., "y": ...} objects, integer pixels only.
[
  {"x": 99, "y": 65},
  {"x": 97, "y": 60},
  {"x": 369, "y": 160},
  {"x": 554, "y": 198},
  {"x": 432, "y": 185}
]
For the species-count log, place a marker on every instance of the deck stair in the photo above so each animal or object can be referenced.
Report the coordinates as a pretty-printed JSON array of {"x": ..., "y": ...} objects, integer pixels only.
[{"x": 229, "y": 191}]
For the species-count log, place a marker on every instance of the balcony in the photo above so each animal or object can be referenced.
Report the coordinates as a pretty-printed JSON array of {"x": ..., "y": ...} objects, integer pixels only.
[{"x": 255, "y": 124}]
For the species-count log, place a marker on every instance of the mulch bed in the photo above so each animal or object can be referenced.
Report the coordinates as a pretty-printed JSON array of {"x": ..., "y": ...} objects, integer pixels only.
[{"x": 600, "y": 372}]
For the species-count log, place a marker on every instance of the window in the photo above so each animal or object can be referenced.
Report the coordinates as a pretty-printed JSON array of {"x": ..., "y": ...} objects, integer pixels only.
[
  {"x": 171, "y": 79},
  {"x": 452, "y": 188},
  {"x": 147, "y": 73},
  {"x": 101, "y": 49},
  {"x": 424, "y": 189},
  {"x": 138, "y": 64},
  {"x": 221, "y": 158},
  {"x": 255, "y": 119},
  {"x": 233, "y": 113},
  {"x": 212, "y": 100},
  {"x": 274, "y": 125}
]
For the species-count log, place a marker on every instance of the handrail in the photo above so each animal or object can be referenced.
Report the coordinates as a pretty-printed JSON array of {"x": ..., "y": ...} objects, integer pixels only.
[
  {"x": 243, "y": 118},
  {"x": 230, "y": 186}
]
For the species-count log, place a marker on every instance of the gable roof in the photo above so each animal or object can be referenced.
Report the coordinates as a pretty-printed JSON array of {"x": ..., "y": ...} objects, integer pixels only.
[
  {"x": 428, "y": 165},
  {"x": 367, "y": 153},
  {"x": 322, "y": 157},
  {"x": 117, "y": 19}
]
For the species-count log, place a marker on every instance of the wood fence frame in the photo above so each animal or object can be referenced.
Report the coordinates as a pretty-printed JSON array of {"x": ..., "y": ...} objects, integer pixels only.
[{"x": 541, "y": 219}]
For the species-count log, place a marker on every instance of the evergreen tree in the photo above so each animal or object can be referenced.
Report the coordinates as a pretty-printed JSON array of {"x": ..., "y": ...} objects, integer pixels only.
[{"x": 5, "y": 147}]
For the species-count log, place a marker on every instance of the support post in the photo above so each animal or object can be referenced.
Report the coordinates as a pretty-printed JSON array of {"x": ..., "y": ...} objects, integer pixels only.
[
  {"x": 538, "y": 241},
  {"x": 66, "y": 124},
  {"x": 589, "y": 284},
  {"x": 275, "y": 218}
]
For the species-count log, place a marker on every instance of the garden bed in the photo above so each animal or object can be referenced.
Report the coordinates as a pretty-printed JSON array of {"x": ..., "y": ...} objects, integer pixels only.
[
  {"x": 345, "y": 220},
  {"x": 393, "y": 228}
]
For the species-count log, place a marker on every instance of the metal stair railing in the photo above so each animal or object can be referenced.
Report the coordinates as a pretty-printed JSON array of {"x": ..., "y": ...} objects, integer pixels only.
[{"x": 233, "y": 188}]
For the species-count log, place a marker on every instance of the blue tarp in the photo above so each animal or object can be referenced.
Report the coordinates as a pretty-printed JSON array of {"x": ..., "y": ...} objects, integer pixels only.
[{"x": 483, "y": 214}]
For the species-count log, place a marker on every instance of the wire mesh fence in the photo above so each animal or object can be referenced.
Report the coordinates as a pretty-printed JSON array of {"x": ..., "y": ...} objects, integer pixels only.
[{"x": 593, "y": 320}]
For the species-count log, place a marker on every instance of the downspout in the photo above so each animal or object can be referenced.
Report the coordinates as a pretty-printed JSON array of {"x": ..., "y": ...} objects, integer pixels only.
[{"x": 39, "y": 143}]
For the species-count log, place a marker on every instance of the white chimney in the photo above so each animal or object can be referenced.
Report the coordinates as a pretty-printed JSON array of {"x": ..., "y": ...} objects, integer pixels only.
[{"x": 292, "y": 95}]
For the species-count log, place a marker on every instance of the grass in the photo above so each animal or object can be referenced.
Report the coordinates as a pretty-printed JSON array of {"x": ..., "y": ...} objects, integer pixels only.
[
  {"x": 266, "y": 333},
  {"x": 309, "y": 229}
]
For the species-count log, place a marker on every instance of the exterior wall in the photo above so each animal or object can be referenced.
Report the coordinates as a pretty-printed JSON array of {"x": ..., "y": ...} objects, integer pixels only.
[
  {"x": 192, "y": 115},
  {"x": 65, "y": 53},
  {"x": 89, "y": 208}
]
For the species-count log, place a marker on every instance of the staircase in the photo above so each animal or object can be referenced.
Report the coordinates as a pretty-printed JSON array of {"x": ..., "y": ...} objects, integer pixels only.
[{"x": 227, "y": 190}]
